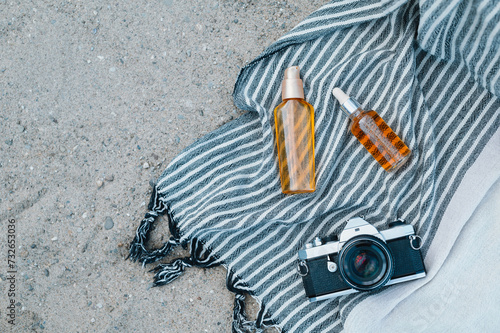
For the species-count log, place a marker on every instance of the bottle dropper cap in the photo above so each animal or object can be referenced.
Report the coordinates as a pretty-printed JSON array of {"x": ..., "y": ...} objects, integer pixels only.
[
  {"x": 292, "y": 86},
  {"x": 348, "y": 104}
]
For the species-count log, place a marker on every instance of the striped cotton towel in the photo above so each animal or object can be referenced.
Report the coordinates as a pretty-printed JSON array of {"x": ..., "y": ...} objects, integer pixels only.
[{"x": 430, "y": 68}]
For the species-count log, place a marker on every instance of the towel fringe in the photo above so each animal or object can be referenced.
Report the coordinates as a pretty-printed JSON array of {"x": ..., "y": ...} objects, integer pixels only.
[{"x": 200, "y": 256}]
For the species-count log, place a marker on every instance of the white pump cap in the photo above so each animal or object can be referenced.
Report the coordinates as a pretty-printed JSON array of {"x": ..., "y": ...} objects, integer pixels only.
[{"x": 292, "y": 86}]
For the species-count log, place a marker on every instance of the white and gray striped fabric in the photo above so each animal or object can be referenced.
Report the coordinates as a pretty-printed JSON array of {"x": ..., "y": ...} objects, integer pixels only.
[{"x": 430, "y": 68}]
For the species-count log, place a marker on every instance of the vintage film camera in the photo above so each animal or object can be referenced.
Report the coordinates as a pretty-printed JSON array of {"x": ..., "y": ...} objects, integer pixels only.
[{"x": 362, "y": 259}]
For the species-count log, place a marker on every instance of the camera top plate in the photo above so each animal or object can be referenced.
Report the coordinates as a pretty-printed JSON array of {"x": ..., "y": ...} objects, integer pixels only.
[
  {"x": 357, "y": 226},
  {"x": 354, "y": 227}
]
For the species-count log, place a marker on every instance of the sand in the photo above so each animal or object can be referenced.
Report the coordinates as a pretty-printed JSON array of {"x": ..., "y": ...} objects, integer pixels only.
[{"x": 95, "y": 99}]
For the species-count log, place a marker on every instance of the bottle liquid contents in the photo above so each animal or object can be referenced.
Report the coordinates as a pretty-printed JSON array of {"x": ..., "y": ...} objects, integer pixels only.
[
  {"x": 294, "y": 122},
  {"x": 372, "y": 131}
]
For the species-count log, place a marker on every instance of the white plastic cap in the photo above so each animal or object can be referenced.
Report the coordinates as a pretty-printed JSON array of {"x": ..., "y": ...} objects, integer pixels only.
[
  {"x": 340, "y": 95},
  {"x": 348, "y": 104}
]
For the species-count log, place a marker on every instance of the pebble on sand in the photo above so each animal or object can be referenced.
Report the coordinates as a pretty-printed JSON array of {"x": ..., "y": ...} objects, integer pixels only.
[{"x": 108, "y": 223}]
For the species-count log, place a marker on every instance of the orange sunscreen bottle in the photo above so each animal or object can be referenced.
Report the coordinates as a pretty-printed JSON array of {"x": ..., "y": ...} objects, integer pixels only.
[
  {"x": 372, "y": 131},
  {"x": 294, "y": 122}
]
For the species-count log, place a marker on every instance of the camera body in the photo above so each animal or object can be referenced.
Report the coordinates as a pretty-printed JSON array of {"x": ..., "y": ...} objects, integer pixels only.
[{"x": 362, "y": 259}]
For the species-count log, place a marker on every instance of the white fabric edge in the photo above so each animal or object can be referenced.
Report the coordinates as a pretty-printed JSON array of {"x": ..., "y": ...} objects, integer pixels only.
[{"x": 367, "y": 316}]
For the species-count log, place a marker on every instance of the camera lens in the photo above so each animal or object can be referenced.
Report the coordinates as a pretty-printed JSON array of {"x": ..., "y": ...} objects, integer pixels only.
[{"x": 365, "y": 263}]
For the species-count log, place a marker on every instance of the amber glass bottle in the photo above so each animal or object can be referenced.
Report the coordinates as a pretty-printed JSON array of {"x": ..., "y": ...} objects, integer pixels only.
[
  {"x": 375, "y": 135},
  {"x": 294, "y": 122}
]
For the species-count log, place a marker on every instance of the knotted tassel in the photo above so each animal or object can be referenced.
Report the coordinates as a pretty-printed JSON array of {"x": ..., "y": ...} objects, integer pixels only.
[
  {"x": 153, "y": 256},
  {"x": 166, "y": 273},
  {"x": 240, "y": 322},
  {"x": 263, "y": 319},
  {"x": 137, "y": 249}
]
